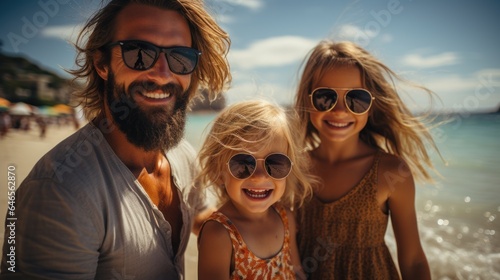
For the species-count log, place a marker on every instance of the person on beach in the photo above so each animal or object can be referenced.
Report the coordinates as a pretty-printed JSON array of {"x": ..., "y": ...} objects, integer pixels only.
[
  {"x": 366, "y": 147},
  {"x": 116, "y": 199},
  {"x": 252, "y": 159},
  {"x": 5, "y": 124}
]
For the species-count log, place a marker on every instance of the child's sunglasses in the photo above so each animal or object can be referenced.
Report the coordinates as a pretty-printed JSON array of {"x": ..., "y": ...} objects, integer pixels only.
[
  {"x": 141, "y": 56},
  {"x": 242, "y": 166},
  {"x": 357, "y": 100}
]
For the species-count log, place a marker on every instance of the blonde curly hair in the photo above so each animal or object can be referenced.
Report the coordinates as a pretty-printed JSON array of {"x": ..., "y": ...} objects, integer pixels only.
[{"x": 247, "y": 127}]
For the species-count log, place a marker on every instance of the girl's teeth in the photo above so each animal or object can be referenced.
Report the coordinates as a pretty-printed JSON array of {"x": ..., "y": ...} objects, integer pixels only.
[
  {"x": 156, "y": 95},
  {"x": 338, "y": 124},
  {"x": 257, "y": 193}
]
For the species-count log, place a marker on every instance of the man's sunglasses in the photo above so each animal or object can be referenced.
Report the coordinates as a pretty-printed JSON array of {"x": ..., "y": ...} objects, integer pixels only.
[
  {"x": 141, "y": 56},
  {"x": 242, "y": 166},
  {"x": 357, "y": 100}
]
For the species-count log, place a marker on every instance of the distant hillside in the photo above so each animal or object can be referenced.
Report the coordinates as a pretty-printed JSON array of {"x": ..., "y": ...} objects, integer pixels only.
[
  {"x": 203, "y": 103},
  {"x": 14, "y": 66},
  {"x": 21, "y": 79}
]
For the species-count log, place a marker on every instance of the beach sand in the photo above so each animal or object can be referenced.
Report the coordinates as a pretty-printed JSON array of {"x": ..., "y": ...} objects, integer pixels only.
[{"x": 22, "y": 149}]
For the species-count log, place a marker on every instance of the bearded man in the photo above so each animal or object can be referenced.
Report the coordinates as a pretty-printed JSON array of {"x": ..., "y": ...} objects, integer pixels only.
[{"x": 116, "y": 200}]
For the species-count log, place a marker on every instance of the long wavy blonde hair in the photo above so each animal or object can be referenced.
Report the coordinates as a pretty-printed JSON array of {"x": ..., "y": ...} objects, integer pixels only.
[
  {"x": 391, "y": 125},
  {"x": 212, "y": 72},
  {"x": 247, "y": 127}
]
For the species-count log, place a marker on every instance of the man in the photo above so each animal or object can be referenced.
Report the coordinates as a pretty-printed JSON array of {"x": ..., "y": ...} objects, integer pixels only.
[{"x": 115, "y": 200}]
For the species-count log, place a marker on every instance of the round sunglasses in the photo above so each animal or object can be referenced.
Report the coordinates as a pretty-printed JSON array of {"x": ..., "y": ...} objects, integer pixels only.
[
  {"x": 357, "y": 100},
  {"x": 242, "y": 166},
  {"x": 140, "y": 56}
]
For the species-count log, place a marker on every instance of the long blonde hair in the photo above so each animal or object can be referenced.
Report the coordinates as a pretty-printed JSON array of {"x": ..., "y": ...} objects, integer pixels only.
[
  {"x": 250, "y": 125},
  {"x": 391, "y": 125},
  {"x": 212, "y": 72}
]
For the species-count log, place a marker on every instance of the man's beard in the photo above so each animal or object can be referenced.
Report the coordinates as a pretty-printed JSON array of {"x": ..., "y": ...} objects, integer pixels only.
[{"x": 158, "y": 128}]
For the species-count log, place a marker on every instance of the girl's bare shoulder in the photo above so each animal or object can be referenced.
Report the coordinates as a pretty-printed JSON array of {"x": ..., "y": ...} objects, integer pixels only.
[
  {"x": 390, "y": 162},
  {"x": 393, "y": 174}
]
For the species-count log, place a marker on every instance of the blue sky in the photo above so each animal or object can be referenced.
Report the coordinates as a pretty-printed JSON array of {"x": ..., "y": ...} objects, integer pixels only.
[{"x": 452, "y": 47}]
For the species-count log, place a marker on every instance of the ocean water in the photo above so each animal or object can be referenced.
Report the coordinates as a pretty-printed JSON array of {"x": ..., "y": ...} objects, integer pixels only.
[{"x": 459, "y": 216}]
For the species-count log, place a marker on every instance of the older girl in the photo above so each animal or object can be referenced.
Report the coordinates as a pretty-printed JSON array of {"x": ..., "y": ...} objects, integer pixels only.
[{"x": 366, "y": 147}]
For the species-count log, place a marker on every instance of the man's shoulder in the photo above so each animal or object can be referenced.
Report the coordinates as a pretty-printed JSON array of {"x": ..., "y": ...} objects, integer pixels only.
[
  {"x": 75, "y": 158},
  {"x": 182, "y": 155},
  {"x": 182, "y": 159},
  {"x": 183, "y": 148}
]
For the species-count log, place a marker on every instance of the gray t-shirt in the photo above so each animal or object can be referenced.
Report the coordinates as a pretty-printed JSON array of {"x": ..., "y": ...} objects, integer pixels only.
[{"x": 81, "y": 214}]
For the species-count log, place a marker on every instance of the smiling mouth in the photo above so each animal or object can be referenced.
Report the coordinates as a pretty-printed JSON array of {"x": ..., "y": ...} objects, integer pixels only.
[
  {"x": 338, "y": 125},
  {"x": 155, "y": 95},
  {"x": 258, "y": 193}
]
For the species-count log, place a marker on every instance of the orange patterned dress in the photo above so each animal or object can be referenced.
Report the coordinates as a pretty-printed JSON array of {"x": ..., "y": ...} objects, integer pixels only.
[
  {"x": 344, "y": 239},
  {"x": 247, "y": 265}
]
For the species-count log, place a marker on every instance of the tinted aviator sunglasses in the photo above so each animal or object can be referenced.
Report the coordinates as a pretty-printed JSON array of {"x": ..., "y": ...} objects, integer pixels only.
[
  {"x": 242, "y": 166},
  {"x": 141, "y": 56},
  {"x": 357, "y": 100}
]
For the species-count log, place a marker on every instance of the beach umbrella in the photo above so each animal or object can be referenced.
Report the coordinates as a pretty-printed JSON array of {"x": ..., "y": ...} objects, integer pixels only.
[
  {"x": 47, "y": 111},
  {"x": 4, "y": 104},
  {"x": 20, "y": 109},
  {"x": 63, "y": 109}
]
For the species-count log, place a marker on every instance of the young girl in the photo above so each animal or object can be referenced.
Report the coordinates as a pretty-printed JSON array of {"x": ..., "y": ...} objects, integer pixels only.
[
  {"x": 253, "y": 159},
  {"x": 365, "y": 146}
]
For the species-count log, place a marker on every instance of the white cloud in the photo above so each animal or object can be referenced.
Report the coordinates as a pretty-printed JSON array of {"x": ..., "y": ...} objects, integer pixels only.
[
  {"x": 490, "y": 78},
  {"x": 271, "y": 52},
  {"x": 461, "y": 93},
  {"x": 251, "y": 4},
  {"x": 387, "y": 38},
  {"x": 353, "y": 32},
  {"x": 63, "y": 32},
  {"x": 358, "y": 35},
  {"x": 450, "y": 83},
  {"x": 224, "y": 19},
  {"x": 221, "y": 8},
  {"x": 419, "y": 61},
  {"x": 248, "y": 90}
]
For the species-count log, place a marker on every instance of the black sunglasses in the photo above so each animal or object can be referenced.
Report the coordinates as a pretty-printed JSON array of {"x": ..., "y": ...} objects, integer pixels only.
[
  {"x": 141, "y": 56},
  {"x": 242, "y": 166},
  {"x": 357, "y": 100}
]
